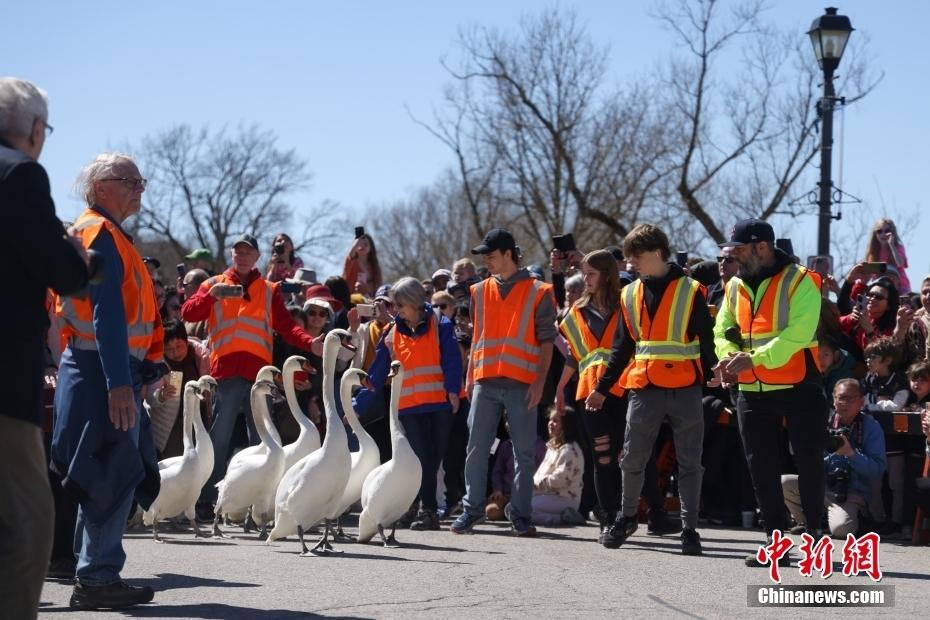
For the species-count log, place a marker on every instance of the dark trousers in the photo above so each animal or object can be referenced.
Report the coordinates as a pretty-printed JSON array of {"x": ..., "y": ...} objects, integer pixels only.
[
  {"x": 65, "y": 514},
  {"x": 760, "y": 417},
  {"x": 428, "y": 434},
  {"x": 453, "y": 464}
]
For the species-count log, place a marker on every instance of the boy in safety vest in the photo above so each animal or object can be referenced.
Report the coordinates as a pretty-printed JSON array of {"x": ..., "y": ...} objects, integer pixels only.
[
  {"x": 664, "y": 348},
  {"x": 766, "y": 339},
  {"x": 514, "y": 326}
]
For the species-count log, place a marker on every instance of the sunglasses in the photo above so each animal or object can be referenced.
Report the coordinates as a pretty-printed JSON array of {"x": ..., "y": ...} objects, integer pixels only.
[
  {"x": 875, "y": 296},
  {"x": 323, "y": 314},
  {"x": 441, "y": 306},
  {"x": 885, "y": 231},
  {"x": 725, "y": 259}
]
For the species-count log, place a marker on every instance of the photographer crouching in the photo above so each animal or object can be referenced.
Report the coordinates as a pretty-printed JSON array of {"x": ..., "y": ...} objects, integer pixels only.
[{"x": 854, "y": 457}]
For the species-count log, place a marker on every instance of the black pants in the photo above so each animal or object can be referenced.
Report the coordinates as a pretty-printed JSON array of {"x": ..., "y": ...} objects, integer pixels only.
[
  {"x": 610, "y": 422},
  {"x": 760, "y": 417},
  {"x": 453, "y": 464},
  {"x": 65, "y": 513}
]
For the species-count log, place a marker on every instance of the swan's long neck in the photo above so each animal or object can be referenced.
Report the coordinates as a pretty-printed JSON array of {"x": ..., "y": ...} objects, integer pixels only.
[
  {"x": 290, "y": 392},
  {"x": 335, "y": 431},
  {"x": 345, "y": 394},
  {"x": 397, "y": 431},
  {"x": 262, "y": 417},
  {"x": 200, "y": 431},
  {"x": 191, "y": 404}
]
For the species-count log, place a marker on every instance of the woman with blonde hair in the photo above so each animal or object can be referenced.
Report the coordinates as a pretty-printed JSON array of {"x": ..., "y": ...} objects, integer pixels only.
[{"x": 885, "y": 247}]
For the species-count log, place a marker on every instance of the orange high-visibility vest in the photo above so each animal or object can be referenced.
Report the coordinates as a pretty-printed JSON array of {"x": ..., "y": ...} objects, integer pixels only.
[
  {"x": 143, "y": 322},
  {"x": 663, "y": 357},
  {"x": 591, "y": 354},
  {"x": 237, "y": 324},
  {"x": 424, "y": 383},
  {"x": 504, "y": 338},
  {"x": 764, "y": 323}
]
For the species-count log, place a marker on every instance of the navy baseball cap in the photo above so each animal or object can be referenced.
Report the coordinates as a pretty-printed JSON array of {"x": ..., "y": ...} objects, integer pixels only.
[
  {"x": 246, "y": 239},
  {"x": 496, "y": 239},
  {"x": 750, "y": 231}
]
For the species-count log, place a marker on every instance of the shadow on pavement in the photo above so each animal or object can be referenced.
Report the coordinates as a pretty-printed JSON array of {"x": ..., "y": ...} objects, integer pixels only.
[
  {"x": 218, "y": 611},
  {"x": 351, "y": 555},
  {"x": 172, "y": 581}
]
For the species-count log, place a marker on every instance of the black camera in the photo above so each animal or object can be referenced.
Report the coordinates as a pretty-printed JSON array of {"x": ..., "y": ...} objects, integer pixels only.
[
  {"x": 279, "y": 248},
  {"x": 838, "y": 482},
  {"x": 835, "y": 438}
]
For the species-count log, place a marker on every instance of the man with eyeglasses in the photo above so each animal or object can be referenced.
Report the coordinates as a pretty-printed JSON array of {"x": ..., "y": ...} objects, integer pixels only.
[
  {"x": 727, "y": 268},
  {"x": 765, "y": 336},
  {"x": 31, "y": 229}
]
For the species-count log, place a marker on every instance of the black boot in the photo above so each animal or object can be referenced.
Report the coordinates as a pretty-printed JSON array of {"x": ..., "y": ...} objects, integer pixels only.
[
  {"x": 110, "y": 596},
  {"x": 658, "y": 523},
  {"x": 621, "y": 529},
  {"x": 606, "y": 519}
]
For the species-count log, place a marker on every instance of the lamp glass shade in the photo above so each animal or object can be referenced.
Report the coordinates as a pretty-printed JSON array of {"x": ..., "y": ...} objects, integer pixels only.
[{"x": 829, "y": 34}]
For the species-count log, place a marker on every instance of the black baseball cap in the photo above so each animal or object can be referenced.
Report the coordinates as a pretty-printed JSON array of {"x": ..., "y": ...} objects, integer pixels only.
[
  {"x": 750, "y": 231},
  {"x": 246, "y": 239},
  {"x": 153, "y": 260},
  {"x": 496, "y": 239}
]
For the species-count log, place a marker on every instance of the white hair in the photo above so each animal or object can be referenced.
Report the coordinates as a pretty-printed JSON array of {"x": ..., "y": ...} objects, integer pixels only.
[
  {"x": 100, "y": 168},
  {"x": 408, "y": 292},
  {"x": 21, "y": 103},
  {"x": 574, "y": 283}
]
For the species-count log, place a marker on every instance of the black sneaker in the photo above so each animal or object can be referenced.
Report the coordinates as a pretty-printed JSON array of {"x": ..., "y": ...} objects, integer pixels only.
[
  {"x": 658, "y": 523},
  {"x": 426, "y": 520},
  {"x": 110, "y": 596},
  {"x": 606, "y": 519},
  {"x": 690, "y": 542},
  {"x": 621, "y": 529},
  {"x": 61, "y": 568}
]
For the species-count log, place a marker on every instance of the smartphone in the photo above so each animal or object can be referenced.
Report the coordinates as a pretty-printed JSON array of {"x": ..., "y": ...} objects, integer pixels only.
[
  {"x": 231, "y": 290},
  {"x": 290, "y": 287},
  {"x": 359, "y": 232},
  {"x": 682, "y": 259},
  {"x": 875, "y": 267},
  {"x": 564, "y": 243},
  {"x": 365, "y": 311},
  {"x": 860, "y": 302},
  {"x": 181, "y": 270},
  {"x": 821, "y": 264}
]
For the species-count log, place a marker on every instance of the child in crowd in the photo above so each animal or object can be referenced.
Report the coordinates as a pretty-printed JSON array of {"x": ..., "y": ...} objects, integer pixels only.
[
  {"x": 558, "y": 480},
  {"x": 835, "y": 364},
  {"x": 918, "y": 378},
  {"x": 502, "y": 476}
]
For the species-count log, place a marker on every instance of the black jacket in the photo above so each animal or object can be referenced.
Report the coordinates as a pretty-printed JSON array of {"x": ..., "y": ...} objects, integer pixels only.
[{"x": 35, "y": 256}]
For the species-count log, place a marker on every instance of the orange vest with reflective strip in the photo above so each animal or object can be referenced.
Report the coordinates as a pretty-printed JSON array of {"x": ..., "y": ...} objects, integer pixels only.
[
  {"x": 591, "y": 354},
  {"x": 424, "y": 383},
  {"x": 143, "y": 322},
  {"x": 764, "y": 323},
  {"x": 664, "y": 357},
  {"x": 240, "y": 325},
  {"x": 504, "y": 337}
]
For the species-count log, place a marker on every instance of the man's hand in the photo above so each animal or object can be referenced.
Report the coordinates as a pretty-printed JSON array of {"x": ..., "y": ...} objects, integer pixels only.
[
  {"x": 122, "y": 407},
  {"x": 721, "y": 377},
  {"x": 736, "y": 363},
  {"x": 845, "y": 449},
  {"x": 556, "y": 260},
  {"x": 454, "y": 401},
  {"x": 534, "y": 393},
  {"x": 594, "y": 401},
  {"x": 905, "y": 317}
]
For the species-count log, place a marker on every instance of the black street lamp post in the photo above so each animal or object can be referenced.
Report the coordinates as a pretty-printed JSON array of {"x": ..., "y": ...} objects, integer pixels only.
[{"x": 829, "y": 34}]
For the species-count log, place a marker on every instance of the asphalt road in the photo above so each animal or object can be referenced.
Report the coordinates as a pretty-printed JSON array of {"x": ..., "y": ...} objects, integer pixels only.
[{"x": 490, "y": 574}]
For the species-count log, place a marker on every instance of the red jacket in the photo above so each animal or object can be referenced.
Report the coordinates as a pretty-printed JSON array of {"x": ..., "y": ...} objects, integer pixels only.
[{"x": 241, "y": 364}]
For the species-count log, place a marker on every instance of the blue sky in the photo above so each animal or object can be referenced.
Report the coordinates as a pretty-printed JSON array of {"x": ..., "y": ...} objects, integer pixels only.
[{"x": 333, "y": 79}]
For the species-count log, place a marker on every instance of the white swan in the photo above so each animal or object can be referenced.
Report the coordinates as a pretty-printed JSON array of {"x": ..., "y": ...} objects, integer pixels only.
[
  {"x": 311, "y": 489},
  {"x": 250, "y": 480},
  {"x": 182, "y": 477},
  {"x": 365, "y": 459},
  {"x": 309, "y": 438},
  {"x": 391, "y": 487}
]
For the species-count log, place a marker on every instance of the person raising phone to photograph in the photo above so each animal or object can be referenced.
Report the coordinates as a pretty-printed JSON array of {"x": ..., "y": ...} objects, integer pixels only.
[
  {"x": 885, "y": 247},
  {"x": 873, "y": 316},
  {"x": 284, "y": 261},
  {"x": 241, "y": 309},
  {"x": 361, "y": 269}
]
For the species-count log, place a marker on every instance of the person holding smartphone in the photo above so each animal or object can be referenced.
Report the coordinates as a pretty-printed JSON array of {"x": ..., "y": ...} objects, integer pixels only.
[
  {"x": 361, "y": 269},
  {"x": 284, "y": 261},
  {"x": 885, "y": 246},
  {"x": 241, "y": 309}
]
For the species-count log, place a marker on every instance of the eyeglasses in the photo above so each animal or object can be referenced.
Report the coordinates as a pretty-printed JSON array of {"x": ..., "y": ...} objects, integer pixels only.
[
  {"x": 49, "y": 130},
  {"x": 875, "y": 296},
  {"x": 725, "y": 259},
  {"x": 441, "y": 306},
  {"x": 131, "y": 183},
  {"x": 323, "y": 314}
]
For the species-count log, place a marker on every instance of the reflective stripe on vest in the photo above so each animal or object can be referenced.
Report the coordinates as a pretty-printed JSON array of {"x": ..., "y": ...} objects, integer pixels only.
[
  {"x": 504, "y": 337},
  {"x": 662, "y": 356},
  {"x": 591, "y": 354},
  {"x": 238, "y": 325},
  {"x": 143, "y": 324},
  {"x": 424, "y": 382},
  {"x": 762, "y": 319}
]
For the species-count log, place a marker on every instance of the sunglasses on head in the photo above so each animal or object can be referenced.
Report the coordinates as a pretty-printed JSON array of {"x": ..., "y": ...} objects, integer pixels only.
[
  {"x": 875, "y": 296},
  {"x": 441, "y": 306},
  {"x": 725, "y": 259}
]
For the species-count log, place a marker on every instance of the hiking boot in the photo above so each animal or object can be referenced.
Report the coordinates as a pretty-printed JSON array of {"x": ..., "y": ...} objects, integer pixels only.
[
  {"x": 658, "y": 523},
  {"x": 690, "y": 542},
  {"x": 426, "y": 520},
  {"x": 465, "y": 523},
  {"x": 620, "y": 531},
  {"x": 110, "y": 596}
]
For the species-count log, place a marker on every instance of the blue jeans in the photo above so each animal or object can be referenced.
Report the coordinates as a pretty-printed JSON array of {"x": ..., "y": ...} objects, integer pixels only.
[
  {"x": 232, "y": 398},
  {"x": 428, "y": 434},
  {"x": 487, "y": 405},
  {"x": 98, "y": 546}
]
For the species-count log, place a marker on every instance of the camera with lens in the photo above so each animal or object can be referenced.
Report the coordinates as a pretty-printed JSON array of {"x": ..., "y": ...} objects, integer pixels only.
[
  {"x": 835, "y": 438},
  {"x": 838, "y": 481},
  {"x": 279, "y": 249}
]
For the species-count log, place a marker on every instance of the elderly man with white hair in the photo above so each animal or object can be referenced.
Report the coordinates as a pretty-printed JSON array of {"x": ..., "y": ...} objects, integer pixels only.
[
  {"x": 37, "y": 255},
  {"x": 102, "y": 441}
]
